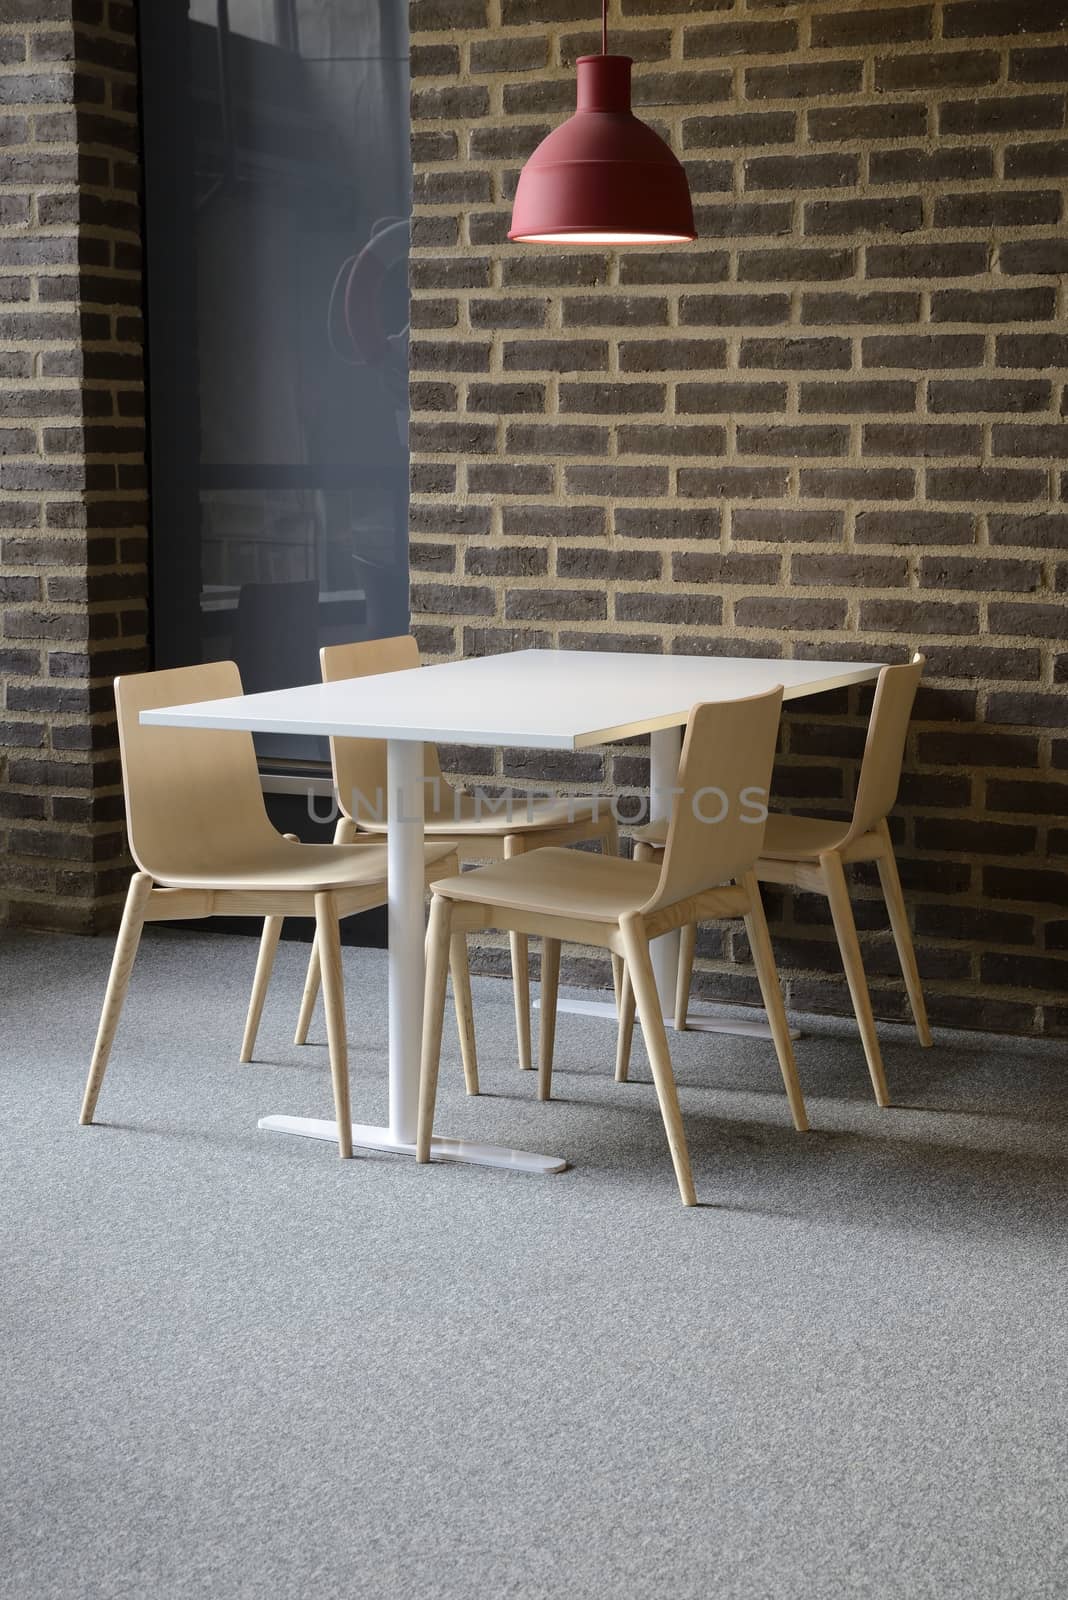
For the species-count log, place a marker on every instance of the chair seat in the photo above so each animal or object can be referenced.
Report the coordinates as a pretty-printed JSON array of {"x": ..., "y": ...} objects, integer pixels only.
[
  {"x": 463, "y": 815},
  {"x": 564, "y": 883},
  {"x": 311, "y": 868},
  {"x": 786, "y": 838},
  {"x": 789, "y": 838}
]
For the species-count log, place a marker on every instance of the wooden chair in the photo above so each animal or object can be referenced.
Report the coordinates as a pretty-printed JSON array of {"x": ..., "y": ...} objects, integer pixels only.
[
  {"x": 810, "y": 853},
  {"x": 452, "y": 817},
  {"x": 204, "y": 846},
  {"x": 707, "y": 871}
]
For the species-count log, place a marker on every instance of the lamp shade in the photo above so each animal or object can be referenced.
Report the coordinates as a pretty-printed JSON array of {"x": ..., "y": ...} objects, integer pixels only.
[{"x": 604, "y": 177}]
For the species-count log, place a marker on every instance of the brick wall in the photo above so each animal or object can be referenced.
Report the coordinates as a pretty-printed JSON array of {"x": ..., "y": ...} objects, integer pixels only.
[
  {"x": 72, "y": 506},
  {"x": 833, "y": 426}
]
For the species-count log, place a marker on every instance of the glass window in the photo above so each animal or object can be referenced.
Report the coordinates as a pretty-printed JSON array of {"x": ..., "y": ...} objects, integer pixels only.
[{"x": 277, "y": 204}]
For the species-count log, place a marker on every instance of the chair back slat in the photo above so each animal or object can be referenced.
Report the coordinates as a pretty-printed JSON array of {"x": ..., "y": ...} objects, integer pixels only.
[
  {"x": 718, "y": 815},
  {"x": 884, "y": 747},
  {"x": 360, "y": 764},
  {"x": 193, "y": 796}
]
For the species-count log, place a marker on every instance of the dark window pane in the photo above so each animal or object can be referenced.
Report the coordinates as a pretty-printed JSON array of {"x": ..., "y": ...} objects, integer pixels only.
[{"x": 277, "y": 199}]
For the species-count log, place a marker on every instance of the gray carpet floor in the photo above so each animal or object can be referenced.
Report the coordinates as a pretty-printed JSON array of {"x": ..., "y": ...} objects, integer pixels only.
[{"x": 235, "y": 1366}]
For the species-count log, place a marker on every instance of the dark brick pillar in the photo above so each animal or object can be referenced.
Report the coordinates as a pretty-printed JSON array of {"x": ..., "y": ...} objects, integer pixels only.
[{"x": 72, "y": 473}]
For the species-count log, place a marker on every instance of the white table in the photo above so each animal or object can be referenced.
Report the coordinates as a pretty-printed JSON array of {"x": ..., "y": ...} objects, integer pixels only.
[{"x": 537, "y": 699}]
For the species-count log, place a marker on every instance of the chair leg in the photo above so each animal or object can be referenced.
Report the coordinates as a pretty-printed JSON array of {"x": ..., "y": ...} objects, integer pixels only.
[
  {"x": 617, "y": 979},
  {"x": 465, "y": 1015},
  {"x": 133, "y": 920},
  {"x": 845, "y": 928},
  {"x": 520, "y": 948},
  {"x": 899, "y": 924},
  {"x": 328, "y": 939},
  {"x": 625, "y": 1031},
  {"x": 640, "y": 968},
  {"x": 687, "y": 947},
  {"x": 521, "y": 995},
  {"x": 344, "y": 833},
  {"x": 550, "y": 983},
  {"x": 310, "y": 995},
  {"x": 756, "y": 928},
  {"x": 439, "y": 941},
  {"x": 272, "y": 930}
]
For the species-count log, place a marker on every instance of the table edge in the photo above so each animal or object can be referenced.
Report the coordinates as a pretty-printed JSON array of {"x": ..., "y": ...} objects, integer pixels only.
[{"x": 164, "y": 717}]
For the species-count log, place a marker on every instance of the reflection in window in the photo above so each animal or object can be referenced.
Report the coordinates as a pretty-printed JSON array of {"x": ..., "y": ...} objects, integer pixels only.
[{"x": 256, "y": 19}]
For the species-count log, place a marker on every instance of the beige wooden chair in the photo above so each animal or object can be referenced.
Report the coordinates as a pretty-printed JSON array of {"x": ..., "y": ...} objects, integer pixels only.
[
  {"x": 452, "y": 816},
  {"x": 810, "y": 853},
  {"x": 204, "y": 846},
  {"x": 707, "y": 871}
]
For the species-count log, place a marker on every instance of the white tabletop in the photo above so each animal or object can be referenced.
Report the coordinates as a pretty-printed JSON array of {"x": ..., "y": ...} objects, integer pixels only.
[{"x": 541, "y": 699}]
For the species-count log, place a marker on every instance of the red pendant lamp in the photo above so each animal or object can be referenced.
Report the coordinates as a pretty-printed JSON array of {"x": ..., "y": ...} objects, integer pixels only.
[{"x": 603, "y": 177}]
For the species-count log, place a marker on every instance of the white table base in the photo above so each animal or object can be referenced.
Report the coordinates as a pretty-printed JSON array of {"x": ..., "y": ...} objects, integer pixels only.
[
  {"x": 407, "y": 972},
  {"x": 367, "y": 1136},
  {"x": 407, "y": 932}
]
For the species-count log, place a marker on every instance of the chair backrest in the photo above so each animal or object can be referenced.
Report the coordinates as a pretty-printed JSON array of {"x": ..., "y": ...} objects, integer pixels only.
[
  {"x": 193, "y": 796},
  {"x": 717, "y": 818},
  {"x": 360, "y": 764},
  {"x": 884, "y": 747}
]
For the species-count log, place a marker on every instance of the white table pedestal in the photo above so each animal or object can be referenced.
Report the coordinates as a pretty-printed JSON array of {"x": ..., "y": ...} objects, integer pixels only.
[
  {"x": 366, "y": 1136},
  {"x": 407, "y": 970}
]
